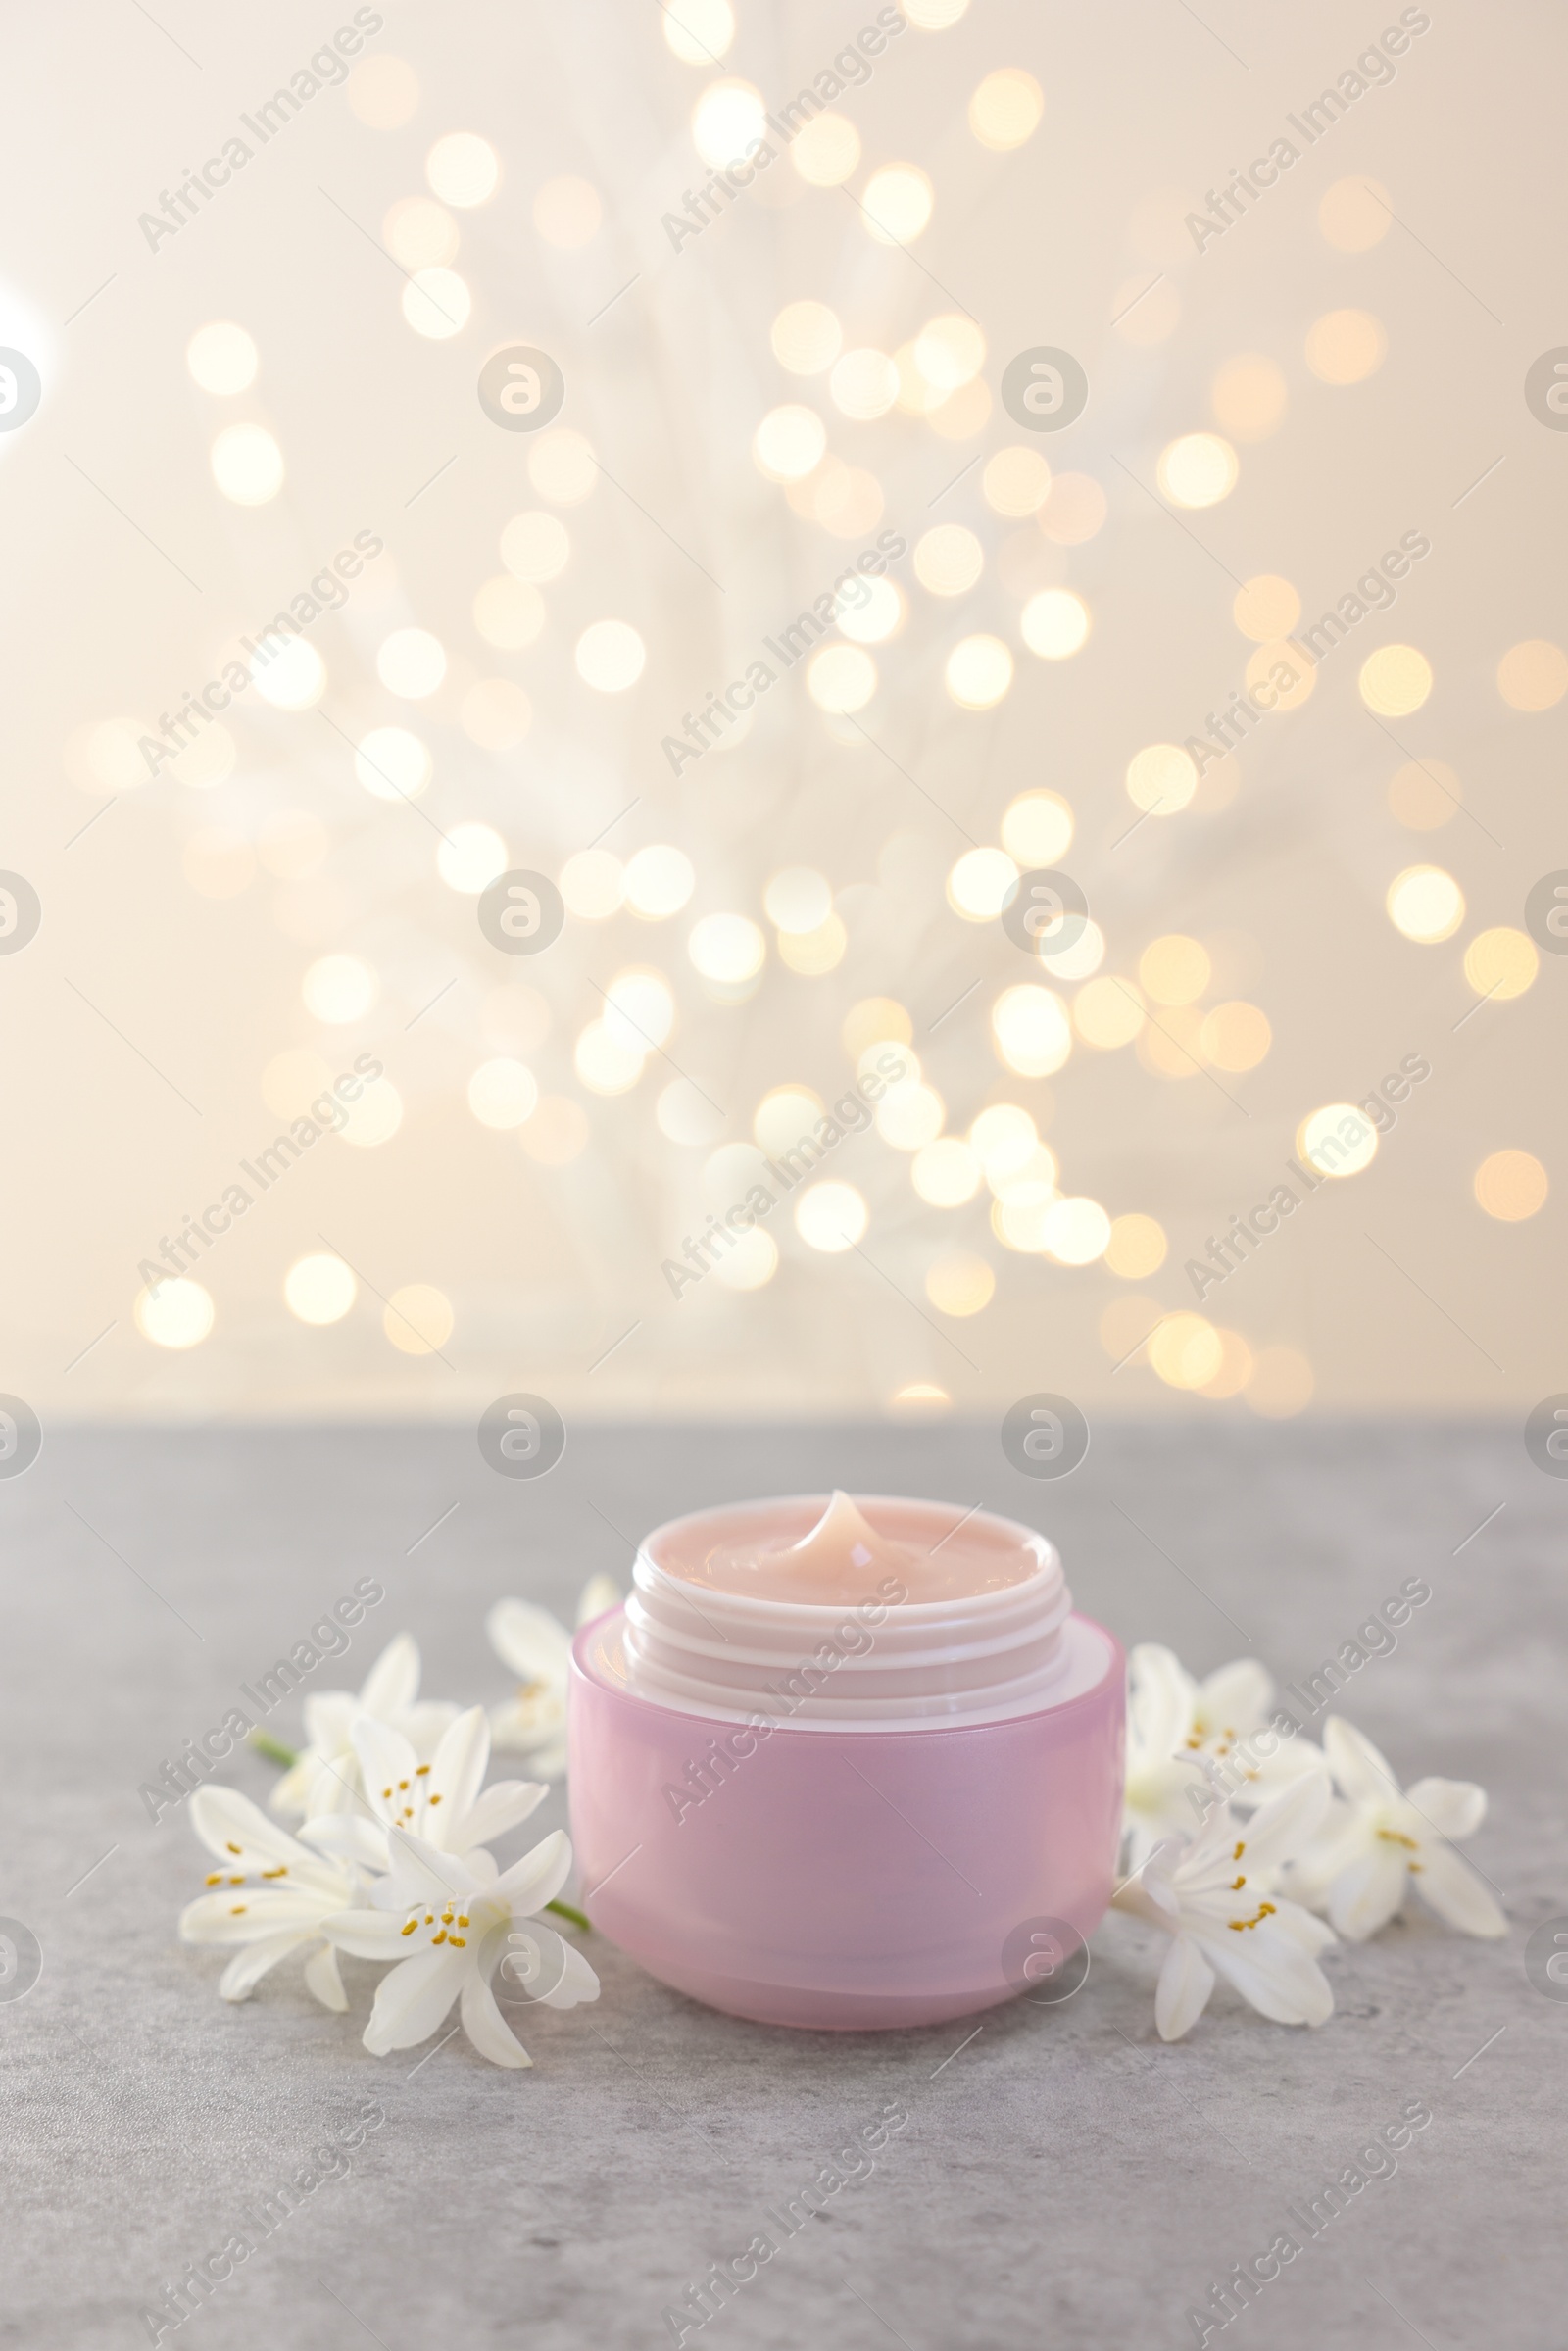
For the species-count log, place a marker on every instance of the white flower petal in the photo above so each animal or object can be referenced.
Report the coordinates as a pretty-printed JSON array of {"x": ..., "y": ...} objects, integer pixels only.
[
  {"x": 210, "y": 1919},
  {"x": 597, "y": 1597},
  {"x": 425, "y": 1724},
  {"x": 576, "y": 1981},
  {"x": 537, "y": 1878},
  {"x": 458, "y": 1771},
  {"x": 393, "y": 1682},
  {"x": 534, "y": 1733},
  {"x": 1365, "y": 1895},
  {"x": 1167, "y": 1856},
  {"x": 535, "y": 1711},
  {"x": 1185, "y": 1982},
  {"x": 322, "y": 1978},
  {"x": 1447, "y": 1884},
  {"x": 330, "y": 1717},
  {"x": 487, "y": 2027},
  {"x": 246, "y": 1970},
  {"x": 1142, "y": 1839},
  {"x": 421, "y": 1870},
  {"x": 1237, "y": 1697},
  {"x": 388, "y": 1763},
  {"x": 1265, "y": 1776},
  {"x": 1208, "y": 1854},
  {"x": 292, "y": 1793},
  {"x": 1314, "y": 1934},
  {"x": 349, "y": 1836},
  {"x": 1346, "y": 1836},
  {"x": 1455, "y": 1808},
  {"x": 243, "y": 1914},
  {"x": 367, "y": 1934},
  {"x": 224, "y": 1820},
  {"x": 530, "y": 1639},
  {"x": 413, "y": 2000},
  {"x": 1160, "y": 1701},
  {"x": 332, "y": 1786},
  {"x": 1285, "y": 1825},
  {"x": 1148, "y": 1897},
  {"x": 1273, "y": 1973},
  {"x": 499, "y": 1808},
  {"x": 1363, "y": 1775},
  {"x": 1182, "y": 1791}
]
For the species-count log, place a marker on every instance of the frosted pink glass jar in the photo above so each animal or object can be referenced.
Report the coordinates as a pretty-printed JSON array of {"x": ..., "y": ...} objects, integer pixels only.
[{"x": 913, "y": 1821}]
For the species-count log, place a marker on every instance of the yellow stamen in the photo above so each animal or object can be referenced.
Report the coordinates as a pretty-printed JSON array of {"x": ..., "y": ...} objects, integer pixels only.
[
  {"x": 231, "y": 1847},
  {"x": 422, "y": 1769},
  {"x": 439, "y": 1938},
  {"x": 238, "y": 1879},
  {"x": 435, "y": 1799},
  {"x": 409, "y": 1929},
  {"x": 235, "y": 1909},
  {"x": 281, "y": 1872},
  {"x": 1241, "y": 1847},
  {"x": 214, "y": 1877},
  {"x": 1264, "y": 1910},
  {"x": 1237, "y": 1884},
  {"x": 459, "y": 1942},
  {"x": 462, "y": 1917}
]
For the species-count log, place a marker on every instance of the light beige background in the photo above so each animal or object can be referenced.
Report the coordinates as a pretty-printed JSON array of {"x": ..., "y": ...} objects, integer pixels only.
[{"x": 1280, "y": 866}]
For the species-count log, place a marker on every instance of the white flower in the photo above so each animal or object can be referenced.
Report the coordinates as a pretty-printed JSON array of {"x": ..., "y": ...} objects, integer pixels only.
[
  {"x": 276, "y": 1895},
  {"x": 440, "y": 1801},
  {"x": 1213, "y": 1896},
  {"x": 449, "y": 1924},
  {"x": 1380, "y": 1841},
  {"x": 1182, "y": 1734},
  {"x": 537, "y": 1647},
  {"x": 325, "y": 1775}
]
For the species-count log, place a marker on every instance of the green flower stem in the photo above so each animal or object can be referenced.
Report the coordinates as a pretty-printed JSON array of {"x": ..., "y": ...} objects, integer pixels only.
[{"x": 579, "y": 1918}]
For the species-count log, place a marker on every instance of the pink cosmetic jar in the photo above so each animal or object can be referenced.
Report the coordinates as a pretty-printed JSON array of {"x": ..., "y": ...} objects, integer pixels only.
[{"x": 848, "y": 1809}]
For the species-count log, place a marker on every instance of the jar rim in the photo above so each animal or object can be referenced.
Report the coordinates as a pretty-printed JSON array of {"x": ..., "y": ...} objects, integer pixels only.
[{"x": 1047, "y": 1561}]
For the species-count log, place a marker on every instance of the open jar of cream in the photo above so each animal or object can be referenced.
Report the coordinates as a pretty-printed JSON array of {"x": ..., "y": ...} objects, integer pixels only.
[{"x": 844, "y": 1763}]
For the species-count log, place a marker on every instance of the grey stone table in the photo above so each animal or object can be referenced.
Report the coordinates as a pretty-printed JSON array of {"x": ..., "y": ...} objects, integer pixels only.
[{"x": 1062, "y": 2178}]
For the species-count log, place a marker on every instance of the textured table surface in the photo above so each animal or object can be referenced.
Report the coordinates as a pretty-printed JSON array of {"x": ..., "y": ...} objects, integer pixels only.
[{"x": 1063, "y": 2178}]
